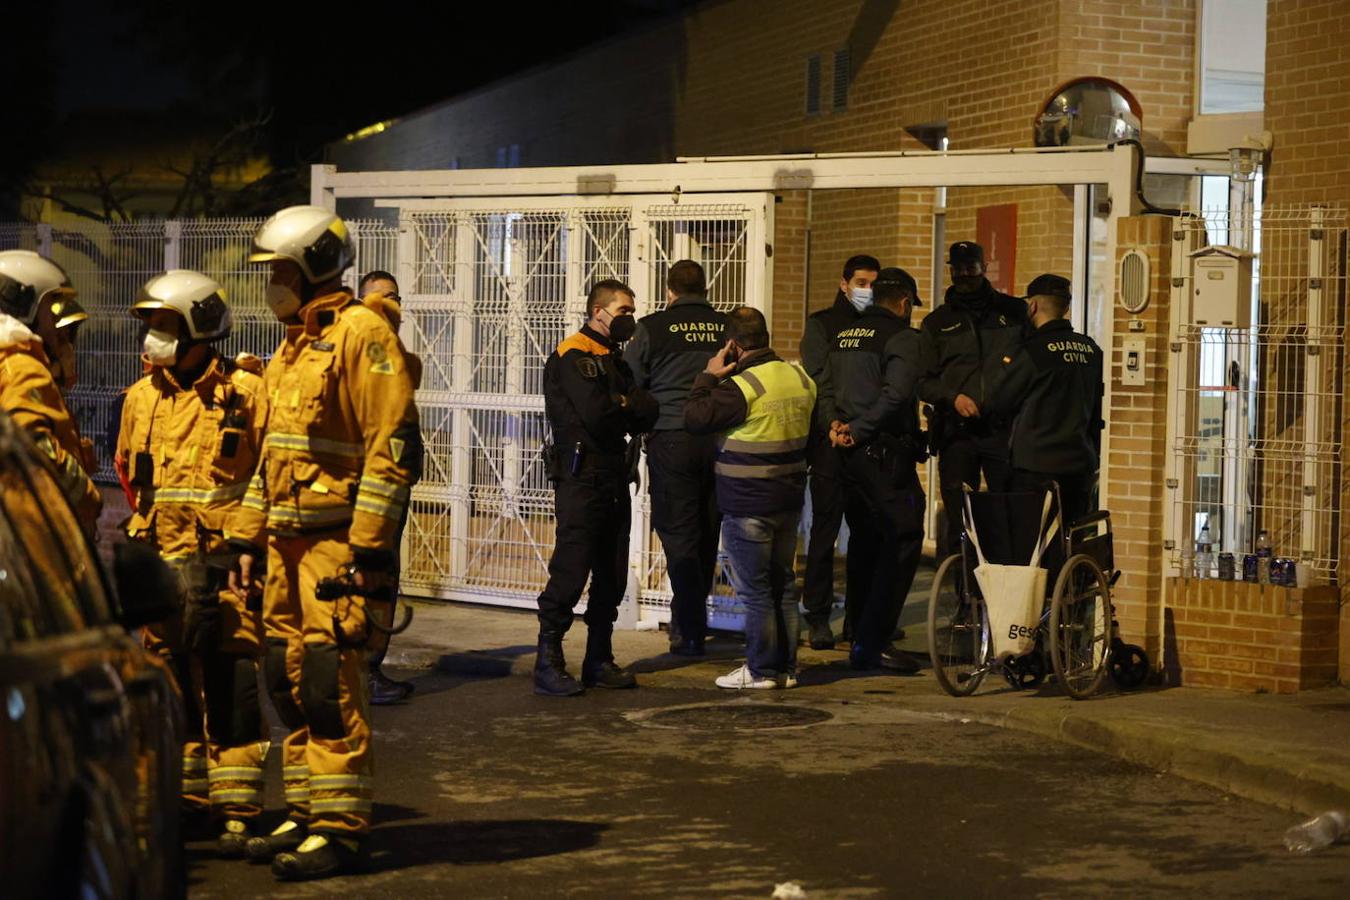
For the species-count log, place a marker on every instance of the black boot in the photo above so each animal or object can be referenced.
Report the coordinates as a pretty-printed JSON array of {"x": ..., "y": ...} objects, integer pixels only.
[
  {"x": 261, "y": 849},
  {"x": 598, "y": 669},
  {"x": 385, "y": 691},
  {"x": 550, "y": 669},
  {"x": 320, "y": 856},
  {"x": 234, "y": 839}
]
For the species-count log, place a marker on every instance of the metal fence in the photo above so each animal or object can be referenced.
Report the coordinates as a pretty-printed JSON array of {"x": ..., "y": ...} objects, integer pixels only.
[
  {"x": 490, "y": 289},
  {"x": 1255, "y": 440},
  {"x": 108, "y": 264}
]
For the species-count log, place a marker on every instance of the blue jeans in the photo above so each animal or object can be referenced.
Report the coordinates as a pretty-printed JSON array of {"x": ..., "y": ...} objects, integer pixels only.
[{"x": 762, "y": 549}]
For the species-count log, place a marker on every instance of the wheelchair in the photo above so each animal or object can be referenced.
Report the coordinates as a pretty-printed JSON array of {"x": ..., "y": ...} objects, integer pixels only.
[{"x": 1076, "y": 631}]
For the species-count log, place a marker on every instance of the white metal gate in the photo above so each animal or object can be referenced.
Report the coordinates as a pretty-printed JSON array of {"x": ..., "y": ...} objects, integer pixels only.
[{"x": 490, "y": 287}]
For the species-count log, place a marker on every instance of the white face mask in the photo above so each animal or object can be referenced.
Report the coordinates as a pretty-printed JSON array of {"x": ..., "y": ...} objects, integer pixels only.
[
  {"x": 861, "y": 298},
  {"x": 161, "y": 348},
  {"x": 283, "y": 300}
]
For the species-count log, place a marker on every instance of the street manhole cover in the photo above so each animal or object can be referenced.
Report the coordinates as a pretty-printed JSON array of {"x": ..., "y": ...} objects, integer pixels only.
[{"x": 733, "y": 716}]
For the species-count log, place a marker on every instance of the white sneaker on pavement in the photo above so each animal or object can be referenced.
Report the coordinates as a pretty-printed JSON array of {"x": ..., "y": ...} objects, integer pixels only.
[
  {"x": 787, "y": 680},
  {"x": 743, "y": 679}
]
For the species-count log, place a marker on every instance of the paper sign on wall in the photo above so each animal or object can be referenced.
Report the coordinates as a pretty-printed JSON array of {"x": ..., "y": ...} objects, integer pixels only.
[{"x": 996, "y": 232}]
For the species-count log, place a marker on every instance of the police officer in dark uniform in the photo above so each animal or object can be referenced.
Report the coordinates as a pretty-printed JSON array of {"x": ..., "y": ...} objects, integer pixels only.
[
  {"x": 592, "y": 404},
  {"x": 975, "y": 325},
  {"x": 868, "y": 392},
  {"x": 668, "y": 351},
  {"x": 1051, "y": 389},
  {"x": 827, "y": 491}
]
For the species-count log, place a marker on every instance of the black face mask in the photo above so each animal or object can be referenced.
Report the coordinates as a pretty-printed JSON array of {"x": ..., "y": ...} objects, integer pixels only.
[
  {"x": 967, "y": 284},
  {"x": 621, "y": 328}
]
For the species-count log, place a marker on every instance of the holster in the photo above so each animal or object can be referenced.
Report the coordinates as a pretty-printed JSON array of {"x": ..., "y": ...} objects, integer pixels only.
[
  {"x": 632, "y": 457},
  {"x": 552, "y": 461}
]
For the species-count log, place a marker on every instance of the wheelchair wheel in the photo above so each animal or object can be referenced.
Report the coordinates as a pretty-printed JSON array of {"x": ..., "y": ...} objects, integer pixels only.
[
  {"x": 957, "y": 639},
  {"x": 1080, "y": 627},
  {"x": 1129, "y": 665}
]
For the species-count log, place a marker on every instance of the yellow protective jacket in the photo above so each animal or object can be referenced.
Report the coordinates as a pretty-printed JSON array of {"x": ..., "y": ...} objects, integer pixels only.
[
  {"x": 203, "y": 441},
  {"x": 342, "y": 442},
  {"x": 32, "y": 399}
]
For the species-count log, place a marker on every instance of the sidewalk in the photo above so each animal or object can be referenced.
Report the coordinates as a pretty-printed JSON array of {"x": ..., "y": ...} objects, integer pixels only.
[{"x": 1288, "y": 751}]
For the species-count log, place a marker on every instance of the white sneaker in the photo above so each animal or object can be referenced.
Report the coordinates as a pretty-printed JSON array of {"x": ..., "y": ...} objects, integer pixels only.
[
  {"x": 788, "y": 680},
  {"x": 743, "y": 679}
]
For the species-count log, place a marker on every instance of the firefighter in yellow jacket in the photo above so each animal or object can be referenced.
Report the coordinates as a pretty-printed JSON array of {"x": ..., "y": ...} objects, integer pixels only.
[
  {"x": 188, "y": 446},
  {"x": 342, "y": 446},
  {"x": 38, "y": 315}
]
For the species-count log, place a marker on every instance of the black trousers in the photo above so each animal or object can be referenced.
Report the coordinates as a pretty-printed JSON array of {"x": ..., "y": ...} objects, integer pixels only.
[
  {"x": 970, "y": 453},
  {"x": 688, "y": 522},
  {"x": 885, "y": 510},
  {"x": 827, "y": 513},
  {"x": 594, "y": 515}
]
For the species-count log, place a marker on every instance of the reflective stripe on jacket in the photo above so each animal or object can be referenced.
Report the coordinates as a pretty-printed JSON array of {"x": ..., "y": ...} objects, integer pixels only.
[
  {"x": 30, "y": 396},
  {"x": 761, "y": 463},
  {"x": 342, "y": 441},
  {"x": 202, "y": 444}
]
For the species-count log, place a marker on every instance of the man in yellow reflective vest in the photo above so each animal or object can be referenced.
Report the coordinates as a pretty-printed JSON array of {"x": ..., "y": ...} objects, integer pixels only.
[
  {"x": 188, "y": 446},
  {"x": 37, "y": 360},
  {"x": 341, "y": 448},
  {"x": 762, "y": 407}
]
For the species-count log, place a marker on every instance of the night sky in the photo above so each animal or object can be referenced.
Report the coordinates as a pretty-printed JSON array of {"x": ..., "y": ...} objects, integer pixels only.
[
  {"x": 318, "y": 72},
  {"x": 322, "y": 75}
]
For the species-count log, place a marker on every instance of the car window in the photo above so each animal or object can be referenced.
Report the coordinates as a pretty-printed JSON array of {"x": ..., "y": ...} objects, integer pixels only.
[{"x": 56, "y": 570}]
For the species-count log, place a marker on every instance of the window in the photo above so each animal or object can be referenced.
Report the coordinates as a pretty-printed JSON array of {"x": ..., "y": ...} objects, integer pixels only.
[
  {"x": 841, "y": 78},
  {"x": 813, "y": 85},
  {"x": 1232, "y": 48}
]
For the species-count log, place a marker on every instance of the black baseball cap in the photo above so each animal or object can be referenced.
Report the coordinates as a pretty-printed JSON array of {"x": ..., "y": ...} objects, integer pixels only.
[
  {"x": 964, "y": 252},
  {"x": 1050, "y": 285},
  {"x": 896, "y": 277}
]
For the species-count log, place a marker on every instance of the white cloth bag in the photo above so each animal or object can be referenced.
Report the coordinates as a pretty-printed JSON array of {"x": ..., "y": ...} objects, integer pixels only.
[{"x": 1013, "y": 595}]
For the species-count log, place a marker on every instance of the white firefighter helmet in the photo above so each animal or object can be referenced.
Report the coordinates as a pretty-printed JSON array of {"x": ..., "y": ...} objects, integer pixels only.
[
  {"x": 26, "y": 279},
  {"x": 311, "y": 237},
  {"x": 199, "y": 299}
]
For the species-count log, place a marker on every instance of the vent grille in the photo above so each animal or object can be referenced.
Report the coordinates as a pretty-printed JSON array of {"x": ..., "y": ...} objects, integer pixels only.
[{"x": 1134, "y": 281}]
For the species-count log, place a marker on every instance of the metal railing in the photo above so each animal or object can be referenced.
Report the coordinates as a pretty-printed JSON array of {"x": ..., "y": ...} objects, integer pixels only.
[{"x": 1255, "y": 439}]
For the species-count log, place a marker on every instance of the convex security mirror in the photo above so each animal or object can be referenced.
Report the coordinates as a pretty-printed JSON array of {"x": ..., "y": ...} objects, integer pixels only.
[{"x": 1088, "y": 111}]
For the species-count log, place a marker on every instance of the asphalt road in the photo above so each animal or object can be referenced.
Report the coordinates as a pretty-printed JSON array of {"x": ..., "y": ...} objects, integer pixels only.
[{"x": 485, "y": 790}]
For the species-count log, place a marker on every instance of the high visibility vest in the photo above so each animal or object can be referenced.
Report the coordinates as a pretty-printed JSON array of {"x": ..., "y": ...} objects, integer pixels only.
[{"x": 761, "y": 463}]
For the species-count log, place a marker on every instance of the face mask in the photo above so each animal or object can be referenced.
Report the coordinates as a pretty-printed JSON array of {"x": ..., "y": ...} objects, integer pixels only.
[
  {"x": 283, "y": 300},
  {"x": 861, "y": 298},
  {"x": 621, "y": 328},
  {"x": 161, "y": 348},
  {"x": 967, "y": 284}
]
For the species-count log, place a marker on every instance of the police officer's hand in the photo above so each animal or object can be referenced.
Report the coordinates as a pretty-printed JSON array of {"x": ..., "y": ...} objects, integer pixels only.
[
  {"x": 718, "y": 365},
  {"x": 966, "y": 407},
  {"x": 840, "y": 435},
  {"x": 241, "y": 579}
]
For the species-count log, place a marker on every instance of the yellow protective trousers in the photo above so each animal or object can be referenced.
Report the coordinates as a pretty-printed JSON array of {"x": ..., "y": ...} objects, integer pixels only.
[
  {"x": 224, "y": 747},
  {"x": 317, "y": 677}
]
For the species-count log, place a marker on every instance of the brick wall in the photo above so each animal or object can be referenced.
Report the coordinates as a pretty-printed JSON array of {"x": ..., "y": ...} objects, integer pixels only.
[
  {"x": 1307, "y": 92},
  {"x": 1254, "y": 637},
  {"x": 1136, "y": 420}
]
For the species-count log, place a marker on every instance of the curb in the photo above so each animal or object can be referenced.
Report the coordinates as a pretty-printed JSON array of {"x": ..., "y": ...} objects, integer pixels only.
[{"x": 1254, "y": 775}]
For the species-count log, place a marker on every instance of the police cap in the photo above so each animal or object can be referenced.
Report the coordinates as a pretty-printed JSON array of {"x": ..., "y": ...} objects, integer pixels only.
[
  {"x": 1051, "y": 286},
  {"x": 963, "y": 252},
  {"x": 893, "y": 277}
]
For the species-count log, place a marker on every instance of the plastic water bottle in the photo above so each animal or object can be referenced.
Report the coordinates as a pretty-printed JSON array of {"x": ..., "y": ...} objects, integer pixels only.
[
  {"x": 1263, "y": 557},
  {"x": 1317, "y": 833},
  {"x": 1204, "y": 553}
]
